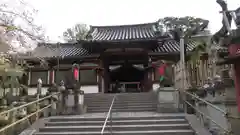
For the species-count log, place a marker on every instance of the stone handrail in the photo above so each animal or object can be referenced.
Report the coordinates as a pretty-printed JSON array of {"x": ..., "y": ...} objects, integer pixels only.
[
  {"x": 188, "y": 102},
  {"x": 38, "y": 110}
]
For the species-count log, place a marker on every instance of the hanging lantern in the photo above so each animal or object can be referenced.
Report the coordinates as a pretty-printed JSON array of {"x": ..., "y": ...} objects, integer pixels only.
[{"x": 76, "y": 71}]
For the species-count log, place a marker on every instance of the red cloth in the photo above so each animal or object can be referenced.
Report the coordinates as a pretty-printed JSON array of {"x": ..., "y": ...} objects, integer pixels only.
[
  {"x": 76, "y": 74},
  {"x": 161, "y": 69}
]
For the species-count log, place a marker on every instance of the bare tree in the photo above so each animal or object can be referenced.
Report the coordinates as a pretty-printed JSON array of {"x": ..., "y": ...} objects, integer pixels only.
[{"x": 18, "y": 29}]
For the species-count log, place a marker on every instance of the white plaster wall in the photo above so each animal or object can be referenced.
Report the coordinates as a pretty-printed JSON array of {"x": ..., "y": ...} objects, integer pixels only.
[{"x": 90, "y": 89}]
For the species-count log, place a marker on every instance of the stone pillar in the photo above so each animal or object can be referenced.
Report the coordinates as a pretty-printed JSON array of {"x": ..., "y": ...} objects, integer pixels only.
[
  {"x": 79, "y": 105},
  {"x": 63, "y": 96}
]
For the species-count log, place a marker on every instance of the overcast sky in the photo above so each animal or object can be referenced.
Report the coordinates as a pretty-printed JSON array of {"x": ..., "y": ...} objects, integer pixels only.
[{"x": 57, "y": 15}]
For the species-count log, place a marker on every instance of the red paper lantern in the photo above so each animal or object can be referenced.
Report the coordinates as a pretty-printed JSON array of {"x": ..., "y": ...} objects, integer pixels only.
[{"x": 76, "y": 73}]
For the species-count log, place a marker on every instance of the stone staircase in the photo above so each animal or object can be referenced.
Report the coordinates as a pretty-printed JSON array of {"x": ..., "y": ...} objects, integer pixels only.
[
  {"x": 133, "y": 114},
  {"x": 147, "y": 123},
  {"x": 125, "y": 102}
]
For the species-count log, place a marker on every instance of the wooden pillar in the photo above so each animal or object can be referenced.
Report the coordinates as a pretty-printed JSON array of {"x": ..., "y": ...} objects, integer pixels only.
[
  {"x": 150, "y": 81},
  {"x": 101, "y": 77},
  {"x": 106, "y": 76},
  {"x": 147, "y": 78},
  {"x": 51, "y": 76}
]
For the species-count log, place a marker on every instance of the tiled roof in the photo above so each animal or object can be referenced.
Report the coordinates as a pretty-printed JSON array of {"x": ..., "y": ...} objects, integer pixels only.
[
  {"x": 220, "y": 49},
  {"x": 123, "y": 32},
  {"x": 172, "y": 46},
  {"x": 63, "y": 50}
]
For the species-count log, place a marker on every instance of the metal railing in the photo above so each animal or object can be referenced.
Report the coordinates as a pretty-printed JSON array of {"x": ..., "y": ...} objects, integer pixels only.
[
  {"x": 109, "y": 116},
  {"x": 36, "y": 113},
  {"x": 185, "y": 99}
]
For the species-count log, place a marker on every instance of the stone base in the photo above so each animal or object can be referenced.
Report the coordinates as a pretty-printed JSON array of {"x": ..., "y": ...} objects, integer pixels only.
[
  {"x": 81, "y": 109},
  {"x": 166, "y": 108}
]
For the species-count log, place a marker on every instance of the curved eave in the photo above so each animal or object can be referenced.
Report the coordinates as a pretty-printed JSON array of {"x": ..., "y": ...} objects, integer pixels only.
[
  {"x": 36, "y": 60},
  {"x": 163, "y": 53},
  {"x": 229, "y": 60}
]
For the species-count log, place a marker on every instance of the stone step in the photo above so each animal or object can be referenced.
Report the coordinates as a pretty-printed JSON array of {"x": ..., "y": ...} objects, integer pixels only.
[
  {"x": 149, "y": 132},
  {"x": 127, "y": 117},
  {"x": 121, "y": 98},
  {"x": 122, "y": 107},
  {"x": 134, "y": 96},
  {"x": 118, "y": 102},
  {"x": 119, "y": 94},
  {"x": 122, "y": 104},
  {"x": 115, "y": 128},
  {"x": 118, "y": 122},
  {"x": 149, "y": 109}
]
